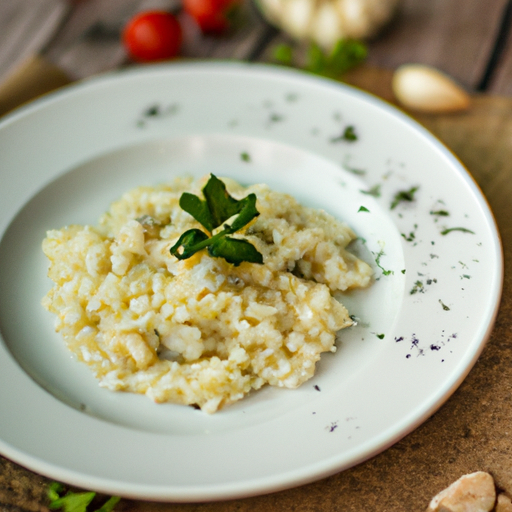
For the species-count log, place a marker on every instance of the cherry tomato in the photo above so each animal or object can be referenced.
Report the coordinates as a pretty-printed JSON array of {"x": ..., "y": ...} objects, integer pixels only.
[
  {"x": 212, "y": 16},
  {"x": 152, "y": 35}
]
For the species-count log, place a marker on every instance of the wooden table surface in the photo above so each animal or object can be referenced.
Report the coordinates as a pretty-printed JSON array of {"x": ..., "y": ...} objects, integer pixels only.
[{"x": 48, "y": 43}]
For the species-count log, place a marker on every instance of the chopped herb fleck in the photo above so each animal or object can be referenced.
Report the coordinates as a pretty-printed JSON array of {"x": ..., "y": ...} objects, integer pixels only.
[
  {"x": 380, "y": 336},
  {"x": 440, "y": 213},
  {"x": 449, "y": 230},
  {"x": 363, "y": 209},
  {"x": 403, "y": 271},
  {"x": 157, "y": 110},
  {"x": 444, "y": 306},
  {"x": 153, "y": 111},
  {"x": 245, "y": 157},
  {"x": 316, "y": 387},
  {"x": 377, "y": 262},
  {"x": 374, "y": 191},
  {"x": 418, "y": 287},
  {"x": 409, "y": 238},
  {"x": 275, "y": 118},
  {"x": 348, "y": 135},
  {"x": 353, "y": 170},
  {"x": 403, "y": 196}
]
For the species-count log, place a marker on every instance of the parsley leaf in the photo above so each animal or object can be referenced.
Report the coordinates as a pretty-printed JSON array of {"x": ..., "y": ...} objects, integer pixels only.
[
  {"x": 73, "y": 502},
  {"x": 216, "y": 208},
  {"x": 197, "y": 208},
  {"x": 70, "y": 502},
  {"x": 235, "y": 250},
  {"x": 220, "y": 204},
  {"x": 109, "y": 505},
  {"x": 76, "y": 501},
  {"x": 189, "y": 243},
  {"x": 345, "y": 55}
]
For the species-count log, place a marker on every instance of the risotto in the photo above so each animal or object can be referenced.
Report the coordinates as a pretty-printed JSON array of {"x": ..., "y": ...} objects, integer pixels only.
[{"x": 200, "y": 331}]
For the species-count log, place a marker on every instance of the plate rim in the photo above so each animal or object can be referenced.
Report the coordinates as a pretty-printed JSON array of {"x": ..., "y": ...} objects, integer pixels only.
[{"x": 225, "y": 492}]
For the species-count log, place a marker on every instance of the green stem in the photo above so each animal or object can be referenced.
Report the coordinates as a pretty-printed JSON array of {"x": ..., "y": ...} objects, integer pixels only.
[{"x": 209, "y": 241}]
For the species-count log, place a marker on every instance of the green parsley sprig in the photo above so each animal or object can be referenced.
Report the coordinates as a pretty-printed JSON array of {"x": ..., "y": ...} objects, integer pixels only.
[
  {"x": 212, "y": 212},
  {"x": 345, "y": 55},
  {"x": 76, "y": 501}
]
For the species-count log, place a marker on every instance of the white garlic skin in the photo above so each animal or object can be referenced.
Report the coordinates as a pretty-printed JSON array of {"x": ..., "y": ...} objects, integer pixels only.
[{"x": 327, "y": 21}]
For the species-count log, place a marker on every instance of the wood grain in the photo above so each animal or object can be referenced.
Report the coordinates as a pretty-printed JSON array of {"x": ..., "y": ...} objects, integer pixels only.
[
  {"x": 501, "y": 81},
  {"x": 90, "y": 41},
  {"x": 25, "y": 27},
  {"x": 457, "y": 36}
]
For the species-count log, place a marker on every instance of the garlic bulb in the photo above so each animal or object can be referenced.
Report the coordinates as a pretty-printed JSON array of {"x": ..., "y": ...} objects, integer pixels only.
[
  {"x": 327, "y": 21},
  {"x": 425, "y": 89}
]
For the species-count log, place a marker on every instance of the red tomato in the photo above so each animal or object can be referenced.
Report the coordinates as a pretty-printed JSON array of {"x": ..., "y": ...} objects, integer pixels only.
[
  {"x": 212, "y": 16},
  {"x": 152, "y": 35}
]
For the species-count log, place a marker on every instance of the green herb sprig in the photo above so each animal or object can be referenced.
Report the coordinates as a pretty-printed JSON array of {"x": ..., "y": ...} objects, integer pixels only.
[
  {"x": 345, "y": 55},
  {"x": 212, "y": 212},
  {"x": 76, "y": 501}
]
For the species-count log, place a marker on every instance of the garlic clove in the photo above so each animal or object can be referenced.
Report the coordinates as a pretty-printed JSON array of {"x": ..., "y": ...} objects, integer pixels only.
[
  {"x": 296, "y": 17},
  {"x": 326, "y": 26},
  {"x": 426, "y": 89}
]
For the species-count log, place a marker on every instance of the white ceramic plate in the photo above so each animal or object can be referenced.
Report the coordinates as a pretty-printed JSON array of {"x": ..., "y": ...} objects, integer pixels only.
[{"x": 422, "y": 324}]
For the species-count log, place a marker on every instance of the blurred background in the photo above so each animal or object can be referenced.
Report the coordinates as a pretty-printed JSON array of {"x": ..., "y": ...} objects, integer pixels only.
[{"x": 46, "y": 43}]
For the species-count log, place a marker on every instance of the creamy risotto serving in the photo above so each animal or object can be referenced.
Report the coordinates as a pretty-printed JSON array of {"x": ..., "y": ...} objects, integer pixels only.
[{"x": 159, "y": 301}]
